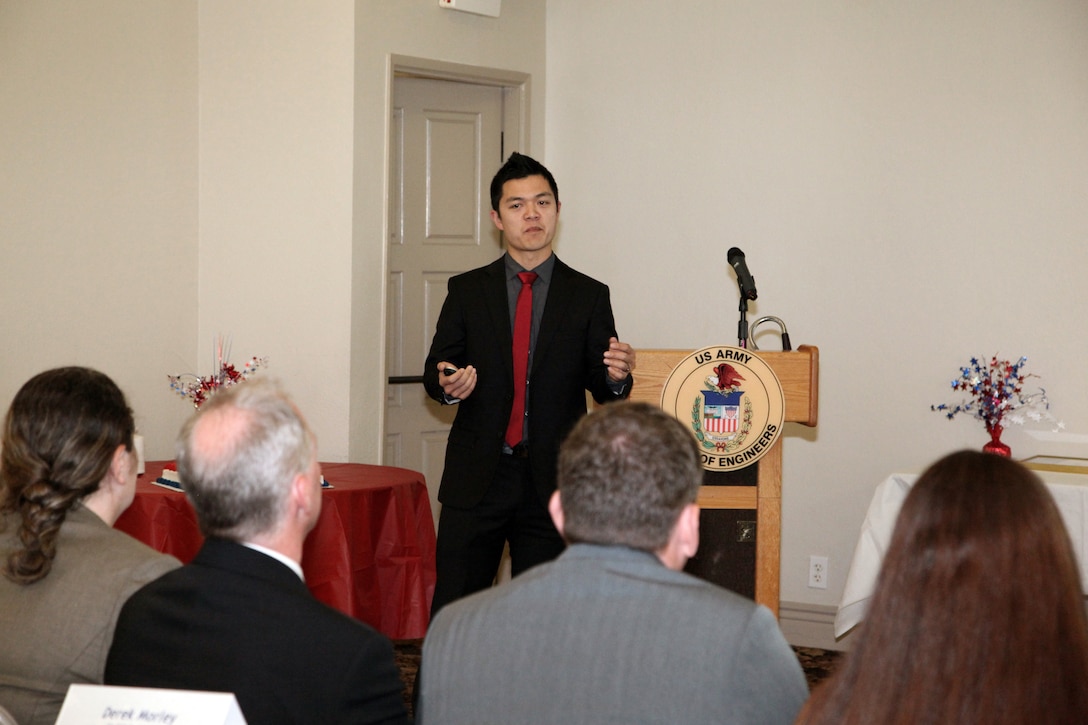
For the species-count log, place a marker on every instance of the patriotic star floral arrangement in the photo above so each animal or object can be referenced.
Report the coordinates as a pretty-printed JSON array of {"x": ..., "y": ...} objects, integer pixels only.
[
  {"x": 200, "y": 388},
  {"x": 995, "y": 395}
]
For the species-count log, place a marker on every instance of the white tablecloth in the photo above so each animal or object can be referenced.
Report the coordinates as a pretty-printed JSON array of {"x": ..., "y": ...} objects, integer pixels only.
[{"x": 1070, "y": 492}]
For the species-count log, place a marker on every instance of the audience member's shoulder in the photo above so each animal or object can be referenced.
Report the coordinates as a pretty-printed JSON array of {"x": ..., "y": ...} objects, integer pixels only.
[
  {"x": 141, "y": 564},
  {"x": 111, "y": 548},
  {"x": 335, "y": 618},
  {"x": 336, "y": 625},
  {"x": 714, "y": 595},
  {"x": 342, "y": 637}
]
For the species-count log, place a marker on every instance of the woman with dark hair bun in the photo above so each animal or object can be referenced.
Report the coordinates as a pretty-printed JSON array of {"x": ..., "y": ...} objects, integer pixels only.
[
  {"x": 978, "y": 614},
  {"x": 67, "y": 472}
]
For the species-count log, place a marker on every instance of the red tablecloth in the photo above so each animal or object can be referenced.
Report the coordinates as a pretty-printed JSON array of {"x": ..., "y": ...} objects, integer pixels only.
[{"x": 371, "y": 554}]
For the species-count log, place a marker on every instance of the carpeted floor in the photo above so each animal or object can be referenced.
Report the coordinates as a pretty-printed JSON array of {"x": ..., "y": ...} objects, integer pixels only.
[{"x": 817, "y": 664}]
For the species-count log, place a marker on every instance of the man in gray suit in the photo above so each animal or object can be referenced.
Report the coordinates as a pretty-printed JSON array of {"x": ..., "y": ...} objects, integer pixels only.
[{"x": 613, "y": 630}]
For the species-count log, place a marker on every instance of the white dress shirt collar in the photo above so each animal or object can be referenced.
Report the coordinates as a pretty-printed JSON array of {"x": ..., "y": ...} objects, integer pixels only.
[{"x": 286, "y": 561}]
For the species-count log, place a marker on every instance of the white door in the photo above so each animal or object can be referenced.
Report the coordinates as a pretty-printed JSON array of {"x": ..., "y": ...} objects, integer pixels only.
[{"x": 446, "y": 145}]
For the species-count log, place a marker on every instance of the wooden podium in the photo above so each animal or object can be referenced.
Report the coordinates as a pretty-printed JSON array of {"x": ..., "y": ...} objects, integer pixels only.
[{"x": 798, "y": 373}]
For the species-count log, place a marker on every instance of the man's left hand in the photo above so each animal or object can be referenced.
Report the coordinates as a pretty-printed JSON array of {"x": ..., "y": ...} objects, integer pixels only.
[{"x": 620, "y": 359}]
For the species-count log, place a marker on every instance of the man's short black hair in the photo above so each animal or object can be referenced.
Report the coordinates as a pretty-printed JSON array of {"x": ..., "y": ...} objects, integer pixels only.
[{"x": 519, "y": 166}]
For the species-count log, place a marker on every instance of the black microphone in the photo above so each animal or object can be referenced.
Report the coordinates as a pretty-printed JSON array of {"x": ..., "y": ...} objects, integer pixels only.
[{"x": 744, "y": 277}]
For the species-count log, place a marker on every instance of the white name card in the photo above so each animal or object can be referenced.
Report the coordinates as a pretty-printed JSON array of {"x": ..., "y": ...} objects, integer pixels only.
[{"x": 108, "y": 705}]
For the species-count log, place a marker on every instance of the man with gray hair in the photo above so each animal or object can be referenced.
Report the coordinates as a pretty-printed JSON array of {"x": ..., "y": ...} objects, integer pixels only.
[
  {"x": 239, "y": 618},
  {"x": 613, "y": 630}
]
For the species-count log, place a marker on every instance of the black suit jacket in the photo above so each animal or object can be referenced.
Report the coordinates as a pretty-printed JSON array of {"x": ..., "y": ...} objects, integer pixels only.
[
  {"x": 236, "y": 620},
  {"x": 474, "y": 329}
]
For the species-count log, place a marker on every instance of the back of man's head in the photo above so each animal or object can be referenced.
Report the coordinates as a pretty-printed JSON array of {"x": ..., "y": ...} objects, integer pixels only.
[
  {"x": 626, "y": 472},
  {"x": 237, "y": 457}
]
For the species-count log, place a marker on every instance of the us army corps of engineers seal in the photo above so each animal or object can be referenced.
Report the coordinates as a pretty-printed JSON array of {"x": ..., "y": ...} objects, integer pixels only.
[{"x": 732, "y": 401}]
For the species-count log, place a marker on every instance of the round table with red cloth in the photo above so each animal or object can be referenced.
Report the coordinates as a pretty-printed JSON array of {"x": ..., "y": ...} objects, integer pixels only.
[{"x": 371, "y": 554}]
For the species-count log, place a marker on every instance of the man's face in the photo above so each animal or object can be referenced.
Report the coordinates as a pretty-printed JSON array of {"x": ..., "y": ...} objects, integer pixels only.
[{"x": 528, "y": 214}]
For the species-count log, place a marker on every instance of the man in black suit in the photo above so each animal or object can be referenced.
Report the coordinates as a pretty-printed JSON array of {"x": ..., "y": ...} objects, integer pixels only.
[
  {"x": 500, "y": 466},
  {"x": 239, "y": 618}
]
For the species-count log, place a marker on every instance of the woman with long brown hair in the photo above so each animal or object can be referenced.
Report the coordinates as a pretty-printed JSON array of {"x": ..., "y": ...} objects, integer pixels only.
[
  {"x": 67, "y": 472},
  {"x": 978, "y": 614}
]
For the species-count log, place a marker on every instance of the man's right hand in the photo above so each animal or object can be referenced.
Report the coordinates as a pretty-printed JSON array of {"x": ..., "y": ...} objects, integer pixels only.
[{"x": 460, "y": 383}]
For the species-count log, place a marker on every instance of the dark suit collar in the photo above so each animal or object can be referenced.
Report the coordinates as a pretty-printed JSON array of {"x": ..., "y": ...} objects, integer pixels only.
[
  {"x": 555, "y": 311},
  {"x": 498, "y": 267},
  {"x": 545, "y": 269},
  {"x": 234, "y": 557},
  {"x": 495, "y": 300}
]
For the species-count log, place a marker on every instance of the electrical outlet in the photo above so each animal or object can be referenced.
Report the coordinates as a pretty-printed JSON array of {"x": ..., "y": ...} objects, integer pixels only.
[{"x": 817, "y": 572}]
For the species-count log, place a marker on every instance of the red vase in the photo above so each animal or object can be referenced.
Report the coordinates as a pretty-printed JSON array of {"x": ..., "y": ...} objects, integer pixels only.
[{"x": 995, "y": 445}]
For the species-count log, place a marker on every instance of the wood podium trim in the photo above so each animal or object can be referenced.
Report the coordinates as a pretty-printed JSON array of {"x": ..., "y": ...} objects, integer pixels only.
[
  {"x": 769, "y": 527},
  {"x": 798, "y": 373},
  {"x": 728, "y": 497}
]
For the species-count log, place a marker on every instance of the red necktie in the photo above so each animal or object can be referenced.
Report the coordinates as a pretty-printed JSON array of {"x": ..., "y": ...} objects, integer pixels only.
[{"x": 523, "y": 322}]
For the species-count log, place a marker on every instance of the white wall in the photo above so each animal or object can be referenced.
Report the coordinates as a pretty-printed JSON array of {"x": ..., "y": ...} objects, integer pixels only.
[
  {"x": 276, "y": 140},
  {"x": 907, "y": 181},
  {"x": 98, "y": 207}
]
